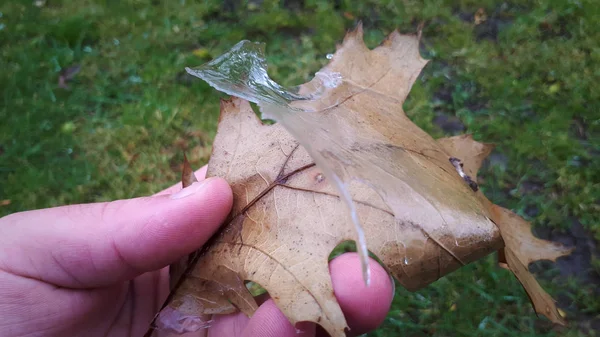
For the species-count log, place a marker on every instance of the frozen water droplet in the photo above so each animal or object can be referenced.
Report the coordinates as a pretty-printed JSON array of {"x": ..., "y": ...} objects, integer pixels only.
[
  {"x": 406, "y": 260},
  {"x": 329, "y": 56}
]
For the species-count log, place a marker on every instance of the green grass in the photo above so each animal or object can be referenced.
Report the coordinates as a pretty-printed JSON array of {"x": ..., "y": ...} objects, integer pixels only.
[{"x": 524, "y": 79}]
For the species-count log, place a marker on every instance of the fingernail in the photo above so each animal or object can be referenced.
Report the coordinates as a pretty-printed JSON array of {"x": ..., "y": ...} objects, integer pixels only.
[
  {"x": 393, "y": 285},
  {"x": 190, "y": 190}
]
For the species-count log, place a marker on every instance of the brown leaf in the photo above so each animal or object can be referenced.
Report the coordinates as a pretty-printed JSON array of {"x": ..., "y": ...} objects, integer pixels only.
[
  {"x": 542, "y": 302},
  {"x": 349, "y": 15},
  {"x": 480, "y": 16},
  {"x": 522, "y": 247},
  {"x": 517, "y": 236},
  {"x": 287, "y": 220},
  {"x": 470, "y": 152},
  {"x": 188, "y": 177},
  {"x": 420, "y": 216},
  {"x": 67, "y": 74}
]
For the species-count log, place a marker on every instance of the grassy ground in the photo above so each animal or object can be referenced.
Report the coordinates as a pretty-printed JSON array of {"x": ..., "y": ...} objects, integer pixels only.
[{"x": 518, "y": 74}]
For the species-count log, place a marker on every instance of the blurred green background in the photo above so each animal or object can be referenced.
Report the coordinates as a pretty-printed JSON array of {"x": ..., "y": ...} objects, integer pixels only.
[{"x": 96, "y": 106}]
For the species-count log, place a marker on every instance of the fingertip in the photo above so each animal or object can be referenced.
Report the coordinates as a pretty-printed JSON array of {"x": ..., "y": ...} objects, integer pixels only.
[
  {"x": 221, "y": 190},
  {"x": 175, "y": 225},
  {"x": 269, "y": 321},
  {"x": 209, "y": 201},
  {"x": 365, "y": 308},
  {"x": 228, "y": 325},
  {"x": 218, "y": 199}
]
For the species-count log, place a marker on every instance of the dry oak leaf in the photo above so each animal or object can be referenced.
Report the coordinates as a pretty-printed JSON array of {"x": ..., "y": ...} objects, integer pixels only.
[
  {"x": 176, "y": 270},
  {"x": 521, "y": 247},
  {"x": 287, "y": 217}
]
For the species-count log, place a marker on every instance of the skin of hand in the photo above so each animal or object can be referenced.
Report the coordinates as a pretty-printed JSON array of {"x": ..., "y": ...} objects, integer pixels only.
[{"x": 102, "y": 269}]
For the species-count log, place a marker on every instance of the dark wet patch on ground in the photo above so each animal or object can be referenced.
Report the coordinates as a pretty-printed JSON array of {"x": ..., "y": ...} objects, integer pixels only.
[
  {"x": 490, "y": 28},
  {"x": 184, "y": 78},
  {"x": 578, "y": 267},
  {"x": 556, "y": 28},
  {"x": 488, "y": 24},
  {"x": 449, "y": 124},
  {"x": 496, "y": 159},
  {"x": 579, "y": 263}
]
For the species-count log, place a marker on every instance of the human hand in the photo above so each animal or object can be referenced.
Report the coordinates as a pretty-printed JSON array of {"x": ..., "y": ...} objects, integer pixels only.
[{"x": 102, "y": 269}]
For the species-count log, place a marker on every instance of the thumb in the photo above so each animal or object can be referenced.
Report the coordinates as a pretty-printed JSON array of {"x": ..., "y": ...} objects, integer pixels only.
[{"x": 94, "y": 245}]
